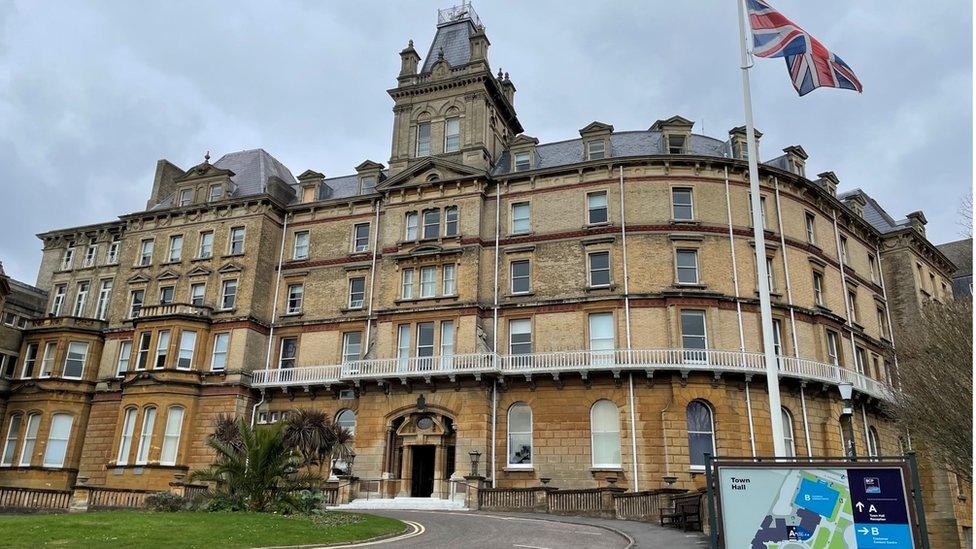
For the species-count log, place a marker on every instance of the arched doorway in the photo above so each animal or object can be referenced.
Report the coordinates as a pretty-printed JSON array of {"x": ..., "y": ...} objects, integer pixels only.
[{"x": 420, "y": 451}]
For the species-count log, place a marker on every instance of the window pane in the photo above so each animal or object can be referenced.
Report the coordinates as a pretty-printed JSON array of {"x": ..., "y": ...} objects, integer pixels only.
[
  {"x": 681, "y": 204},
  {"x": 428, "y": 281},
  {"x": 128, "y": 428},
  {"x": 599, "y": 269},
  {"x": 520, "y": 218},
  {"x": 10, "y": 444},
  {"x": 171, "y": 437},
  {"x": 351, "y": 345},
  {"x": 145, "y": 437},
  {"x": 219, "y": 360},
  {"x": 289, "y": 350},
  {"x": 605, "y": 431},
  {"x": 693, "y": 329},
  {"x": 188, "y": 342},
  {"x": 601, "y": 331},
  {"x": 520, "y": 336},
  {"x": 74, "y": 364},
  {"x": 347, "y": 420},
  {"x": 425, "y": 339},
  {"x": 520, "y": 277},
  {"x": 597, "y": 207},
  {"x": 57, "y": 440},
  {"x": 432, "y": 222}
]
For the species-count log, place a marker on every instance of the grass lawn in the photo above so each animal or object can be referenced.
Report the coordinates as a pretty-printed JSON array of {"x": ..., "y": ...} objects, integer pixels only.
[{"x": 117, "y": 529}]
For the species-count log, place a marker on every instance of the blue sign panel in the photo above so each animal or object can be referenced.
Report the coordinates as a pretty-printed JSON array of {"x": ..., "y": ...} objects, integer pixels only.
[{"x": 880, "y": 508}]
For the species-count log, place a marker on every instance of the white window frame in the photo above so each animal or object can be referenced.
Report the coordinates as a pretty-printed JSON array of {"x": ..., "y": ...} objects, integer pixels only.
[
  {"x": 518, "y": 220},
  {"x": 57, "y": 443},
  {"x": 511, "y": 432},
  {"x": 33, "y": 426},
  {"x": 203, "y": 294},
  {"x": 833, "y": 352},
  {"x": 57, "y": 302},
  {"x": 294, "y": 299},
  {"x": 175, "y": 248},
  {"x": 235, "y": 240},
  {"x": 186, "y": 349},
  {"x": 224, "y": 294},
  {"x": 146, "y": 252},
  {"x": 214, "y": 367},
  {"x": 449, "y": 146},
  {"x": 675, "y": 205},
  {"x": 521, "y": 161},
  {"x": 360, "y": 244},
  {"x": 91, "y": 253},
  {"x": 145, "y": 435},
  {"x": 104, "y": 295},
  {"x": 125, "y": 438},
  {"x": 125, "y": 358},
  {"x": 452, "y": 223},
  {"x": 519, "y": 322},
  {"x": 186, "y": 197},
  {"x": 353, "y": 302},
  {"x": 205, "y": 247},
  {"x": 81, "y": 298},
  {"x": 112, "y": 256},
  {"x": 30, "y": 361},
  {"x": 162, "y": 349},
  {"x": 411, "y": 226},
  {"x": 67, "y": 358},
  {"x": 163, "y": 291},
  {"x": 10, "y": 442},
  {"x": 789, "y": 434},
  {"x": 598, "y": 152},
  {"x": 211, "y": 195},
  {"x": 143, "y": 352},
  {"x": 170, "y": 448},
  {"x": 347, "y": 345},
  {"x": 710, "y": 432},
  {"x": 301, "y": 246},
  {"x": 594, "y": 431},
  {"x": 423, "y": 143},
  {"x": 590, "y": 270},
  {"x": 449, "y": 279},
  {"x": 818, "y": 289},
  {"x": 590, "y": 208},
  {"x": 407, "y": 282},
  {"x": 810, "y": 223},
  {"x": 47, "y": 359},
  {"x": 678, "y": 268},
  {"x": 68, "y": 258},
  {"x": 428, "y": 284},
  {"x": 527, "y": 277}
]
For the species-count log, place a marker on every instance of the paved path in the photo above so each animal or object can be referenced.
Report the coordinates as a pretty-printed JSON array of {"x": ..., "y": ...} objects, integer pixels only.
[{"x": 533, "y": 531}]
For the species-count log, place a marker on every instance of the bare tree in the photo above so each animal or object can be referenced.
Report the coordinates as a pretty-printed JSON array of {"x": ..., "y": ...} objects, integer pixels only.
[
  {"x": 966, "y": 215},
  {"x": 934, "y": 400}
]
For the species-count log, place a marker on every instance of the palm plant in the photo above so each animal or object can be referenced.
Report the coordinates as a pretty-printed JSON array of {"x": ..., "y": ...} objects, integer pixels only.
[
  {"x": 260, "y": 472},
  {"x": 316, "y": 438}
]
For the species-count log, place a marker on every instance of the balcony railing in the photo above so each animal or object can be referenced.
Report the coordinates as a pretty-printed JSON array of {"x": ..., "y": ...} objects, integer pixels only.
[
  {"x": 583, "y": 362},
  {"x": 174, "y": 309}
]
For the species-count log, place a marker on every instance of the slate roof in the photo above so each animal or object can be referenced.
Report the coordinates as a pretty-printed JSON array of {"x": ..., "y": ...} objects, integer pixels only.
[
  {"x": 875, "y": 214},
  {"x": 453, "y": 39},
  {"x": 343, "y": 186},
  {"x": 960, "y": 253},
  {"x": 622, "y": 144},
  {"x": 252, "y": 168}
]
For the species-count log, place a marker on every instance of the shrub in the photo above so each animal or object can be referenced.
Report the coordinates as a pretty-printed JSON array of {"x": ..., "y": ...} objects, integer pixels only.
[{"x": 166, "y": 501}]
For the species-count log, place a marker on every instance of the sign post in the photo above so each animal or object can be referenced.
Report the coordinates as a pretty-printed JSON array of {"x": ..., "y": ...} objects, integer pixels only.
[{"x": 815, "y": 503}]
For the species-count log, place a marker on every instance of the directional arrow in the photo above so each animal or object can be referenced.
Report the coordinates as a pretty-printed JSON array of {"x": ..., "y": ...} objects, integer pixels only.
[
  {"x": 863, "y": 530},
  {"x": 859, "y": 505}
]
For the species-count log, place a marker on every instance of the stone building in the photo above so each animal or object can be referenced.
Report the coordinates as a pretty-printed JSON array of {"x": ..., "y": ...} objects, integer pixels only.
[
  {"x": 583, "y": 311},
  {"x": 960, "y": 253},
  {"x": 19, "y": 303}
]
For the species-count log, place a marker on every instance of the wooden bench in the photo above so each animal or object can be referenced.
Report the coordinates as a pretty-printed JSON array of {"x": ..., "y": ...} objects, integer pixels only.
[{"x": 685, "y": 512}]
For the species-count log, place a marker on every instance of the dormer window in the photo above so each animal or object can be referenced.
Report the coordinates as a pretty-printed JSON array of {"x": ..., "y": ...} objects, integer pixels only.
[
  {"x": 452, "y": 135},
  {"x": 216, "y": 193},
  {"x": 367, "y": 184},
  {"x": 743, "y": 150},
  {"x": 596, "y": 149},
  {"x": 186, "y": 197},
  {"x": 521, "y": 161},
  {"x": 423, "y": 139},
  {"x": 676, "y": 143},
  {"x": 797, "y": 168}
]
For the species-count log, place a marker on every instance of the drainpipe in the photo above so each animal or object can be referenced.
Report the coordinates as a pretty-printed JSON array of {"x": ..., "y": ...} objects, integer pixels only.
[
  {"x": 494, "y": 416},
  {"x": 843, "y": 279},
  {"x": 786, "y": 271},
  {"x": 864, "y": 417},
  {"x": 806, "y": 425},
  {"x": 630, "y": 377},
  {"x": 735, "y": 276},
  {"x": 372, "y": 278},
  {"x": 752, "y": 437},
  {"x": 494, "y": 333},
  {"x": 274, "y": 312}
]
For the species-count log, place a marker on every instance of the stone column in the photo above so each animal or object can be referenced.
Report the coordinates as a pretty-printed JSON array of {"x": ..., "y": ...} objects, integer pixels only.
[
  {"x": 474, "y": 485},
  {"x": 80, "y": 498}
]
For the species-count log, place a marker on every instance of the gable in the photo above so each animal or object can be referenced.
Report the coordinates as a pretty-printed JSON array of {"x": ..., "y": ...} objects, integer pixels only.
[{"x": 418, "y": 173}]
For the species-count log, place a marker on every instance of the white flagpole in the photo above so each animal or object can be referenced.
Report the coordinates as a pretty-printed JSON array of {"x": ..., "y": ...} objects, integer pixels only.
[{"x": 765, "y": 309}]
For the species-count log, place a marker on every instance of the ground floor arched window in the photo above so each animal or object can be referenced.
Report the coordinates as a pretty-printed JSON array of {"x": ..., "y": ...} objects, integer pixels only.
[
  {"x": 605, "y": 434},
  {"x": 520, "y": 435},
  {"x": 701, "y": 432}
]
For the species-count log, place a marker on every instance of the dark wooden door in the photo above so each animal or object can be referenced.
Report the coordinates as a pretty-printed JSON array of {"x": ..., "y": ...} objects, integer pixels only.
[{"x": 422, "y": 477}]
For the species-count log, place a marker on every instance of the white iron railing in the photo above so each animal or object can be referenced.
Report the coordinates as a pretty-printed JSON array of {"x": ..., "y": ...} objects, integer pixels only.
[{"x": 616, "y": 360}]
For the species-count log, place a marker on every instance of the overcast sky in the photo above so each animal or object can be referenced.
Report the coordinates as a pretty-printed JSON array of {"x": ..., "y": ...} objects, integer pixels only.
[{"x": 92, "y": 94}]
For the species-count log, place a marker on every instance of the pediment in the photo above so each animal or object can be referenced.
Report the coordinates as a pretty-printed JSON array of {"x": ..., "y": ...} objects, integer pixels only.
[
  {"x": 418, "y": 173},
  {"x": 425, "y": 250},
  {"x": 232, "y": 267},
  {"x": 167, "y": 275},
  {"x": 204, "y": 170},
  {"x": 140, "y": 278},
  {"x": 796, "y": 150},
  {"x": 596, "y": 127},
  {"x": 673, "y": 122},
  {"x": 523, "y": 140},
  {"x": 368, "y": 165},
  {"x": 311, "y": 174},
  {"x": 199, "y": 271}
]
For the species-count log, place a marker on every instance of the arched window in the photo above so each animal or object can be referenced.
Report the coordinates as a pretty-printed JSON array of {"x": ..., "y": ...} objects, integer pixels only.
[
  {"x": 10, "y": 443},
  {"x": 433, "y": 177},
  {"x": 57, "y": 440},
  {"x": 701, "y": 433},
  {"x": 125, "y": 443},
  {"x": 30, "y": 438},
  {"x": 605, "y": 434},
  {"x": 789, "y": 440},
  {"x": 145, "y": 436},
  {"x": 452, "y": 131},
  {"x": 872, "y": 441},
  {"x": 520, "y": 435},
  {"x": 171, "y": 437},
  {"x": 347, "y": 420}
]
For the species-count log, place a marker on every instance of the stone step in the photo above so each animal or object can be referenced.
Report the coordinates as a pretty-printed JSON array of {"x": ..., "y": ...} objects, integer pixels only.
[{"x": 402, "y": 503}]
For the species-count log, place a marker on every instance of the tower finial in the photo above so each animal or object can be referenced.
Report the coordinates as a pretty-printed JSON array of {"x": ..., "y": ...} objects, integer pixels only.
[
  {"x": 499, "y": 73},
  {"x": 440, "y": 53},
  {"x": 206, "y": 157},
  {"x": 410, "y": 43}
]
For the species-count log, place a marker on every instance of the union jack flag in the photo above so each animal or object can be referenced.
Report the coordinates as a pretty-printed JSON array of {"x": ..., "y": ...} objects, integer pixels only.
[{"x": 810, "y": 63}]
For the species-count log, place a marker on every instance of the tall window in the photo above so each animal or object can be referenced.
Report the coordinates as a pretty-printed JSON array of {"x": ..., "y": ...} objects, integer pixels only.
[
  {"x": 522, "y": 161},
  {"x": 361, "y": 237},
  {"x": 146, "y": 252},
  {"x": 425, "y": 339},
  {"x": 686, "y": 264},
  {"x": 104, "y": 294},
  {"x": 166, "y": 294},
  {"x": 57, "y": 440},
  {"x": 59, "y": 291},
  {"x": 296, "y": 295},
  {"x": 449, "y": 280},
  {"x": 142, "y": 359},
  {"x": 81, "y": 298},
  {"x": 228, "y": 294},
  {"x": 770, "y": 278},
  {"x": 347, "y": 420},
  {"x": 778, "y": 337},
  {"x": 197, "y": 294},
  {"x": 789, "y": 440},
  {"x": 188, "y": 342},
  {"x": 125, "y": 355},
  {"x": 68, "y": 257},
  {"x": 701, "y": 433},
  {"x": 599, "y": 269},
  {"x": 520, "y": 435},
  {"x": 406, "y": 291},
  {"x": 521, "y": 282},
  {"x": 520, "y": 336},
  {"x": 596, "y": 208},
  {"x": 452, "y": 135},
  {"x": 145, "y": 436},
  {"x": 605, "y": 434},
  {"x": 520, "y": 218},
  {"x": 162, "y": 349},
  {"x": 423, "y": 139},
  {"x": 811, "y": 224},
  {"x": 30, "y": 358},
  {"x": 175, "y": 247},
  {"x": 843, "y": 249},
  {"x": 860, "y": 360},
  {"x": 596, "y": 149},
  {"x": 601, "y": 338},
  {"x": 873, "y": 267},
  {"x": 30, "y": 439},
  {"x": 186, "y": 197},
  {"x": 852, "y": 304},
  {"x": 74, "y": 360},
  {"x": 288, "y": 353},
  {"x": 357, "y": 292},
  {"x": 428, "y": 281},
  {"x": 128, "y": 430},
  {"x": 873, "y": 442},
  {"x": 135, "y": 302},
  {"x": 403, "y": 345},
  {"x": 411, "y": 226},
  {"x": 206, "y": 244},
  {"x": 682, "y": 207},
  {"x": 432, "y": 223},
  {"x": 10, "y": 443},
  {"x": 47, "y": 363},
  {"x": 301, "y": 245},
  {"x": 818, "y": 288},
  {"x": 90, "y": 252},
  {"x": 882, "y": 323},
  {"x": 112, "y": 256},
  {"x": 447, "y": 344},
  {"x": 215, "y": 192},
  {"x": 236, "y": 241},
  {"x": 693, "y": 335},
  {"x": 451, "y": 221},
  {"x": 219, "y": 359},
  {"x": 171, "y": 437},
  {"x": 351, "y": 346},
  {"x": 832, "y": 355}
]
